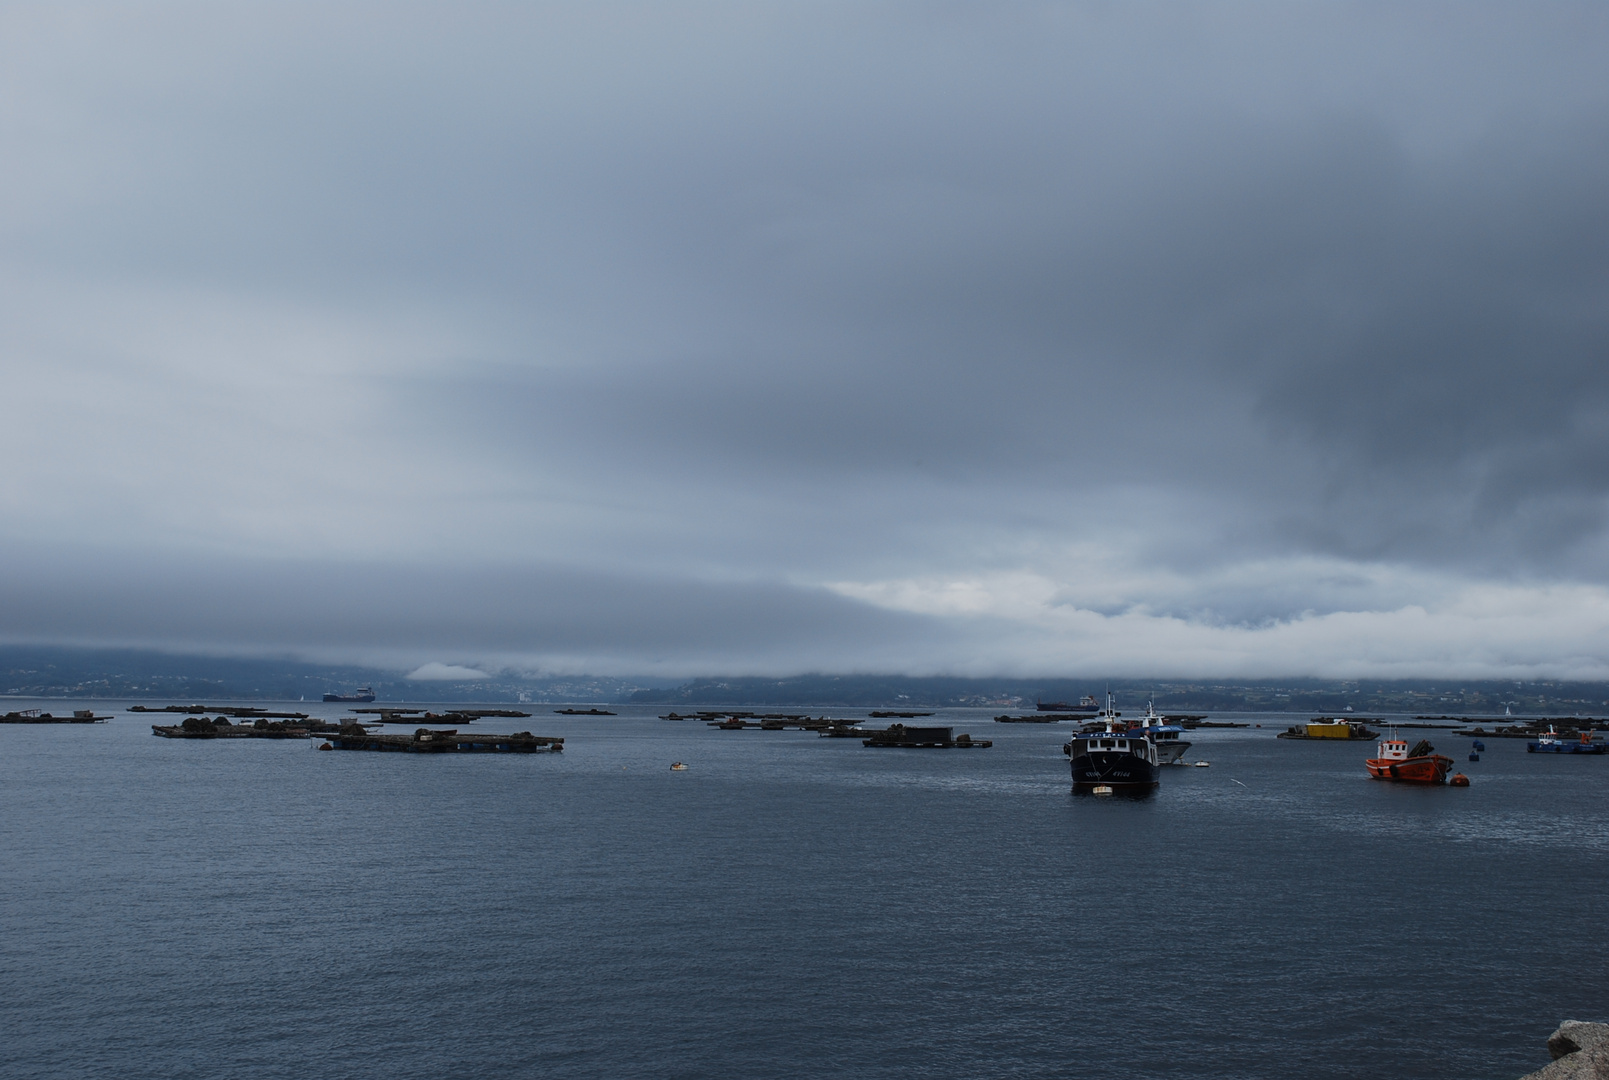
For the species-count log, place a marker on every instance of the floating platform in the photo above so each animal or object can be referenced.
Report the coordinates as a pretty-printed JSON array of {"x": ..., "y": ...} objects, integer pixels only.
[
  {"x": 924, "y": 738},
  {"x": 1036, "y": 718},
  {"x": 774, "y": 722},
  {"x": 717, "y": 715},
  {"x": 845, "y": 729},
  {"x": 237, "y": 711},
  {"x": 34, "y": 716},
  {"x": 1332, "y": 730},
  {"x": 583, "y": 712},
  {"x": 897, "y": 715},
  {"x": 427, "y": 741},
  {"x": 199, "y": 727},
  {"x": 451, "y": 716},
  {"x": 1534, "y": 729}
]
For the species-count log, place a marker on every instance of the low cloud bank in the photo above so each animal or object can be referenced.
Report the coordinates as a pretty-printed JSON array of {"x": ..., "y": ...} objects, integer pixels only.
[
  {"x": 438, "y": 672},
  {"x": 561, "y": 620}
]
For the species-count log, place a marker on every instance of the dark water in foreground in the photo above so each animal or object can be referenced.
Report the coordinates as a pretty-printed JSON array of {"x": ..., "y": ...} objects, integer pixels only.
[{"x": 790, "y": 906}]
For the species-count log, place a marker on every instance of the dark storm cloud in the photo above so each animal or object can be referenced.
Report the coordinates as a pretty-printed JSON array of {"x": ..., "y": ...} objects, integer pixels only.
[
  {"x": 1416, "y": 348},
  {"x": 1228, "y": 315}
]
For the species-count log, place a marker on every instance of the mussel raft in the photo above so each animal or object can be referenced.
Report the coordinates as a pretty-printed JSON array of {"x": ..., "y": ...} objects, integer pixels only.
[
  {"x": 427, "y": 741},
  {"x": 34, "y": 716}
]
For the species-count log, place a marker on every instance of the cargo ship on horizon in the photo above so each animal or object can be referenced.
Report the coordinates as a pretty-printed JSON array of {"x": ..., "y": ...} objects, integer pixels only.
[
  {"x": 1088, "y": 706},
  {"x": 364, "y": 693}
]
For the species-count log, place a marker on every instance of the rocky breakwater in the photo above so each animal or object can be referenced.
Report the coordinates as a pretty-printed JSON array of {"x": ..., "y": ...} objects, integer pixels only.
[{"x": 1580, "y": 1052}]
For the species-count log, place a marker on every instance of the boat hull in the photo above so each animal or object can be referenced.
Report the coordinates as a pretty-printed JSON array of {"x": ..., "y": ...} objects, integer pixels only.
[
  {"x": 1431, "y": 769},
  {"x": 1566, "y": 748},
  {"x": 1169, "y": 751},
  {"x": 1119, "y": 770}
]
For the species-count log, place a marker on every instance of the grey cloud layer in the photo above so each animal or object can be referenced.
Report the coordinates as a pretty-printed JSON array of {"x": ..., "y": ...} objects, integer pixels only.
[
  {"x": 813, "y": 295},
  {"x": 392, "y": 612}
]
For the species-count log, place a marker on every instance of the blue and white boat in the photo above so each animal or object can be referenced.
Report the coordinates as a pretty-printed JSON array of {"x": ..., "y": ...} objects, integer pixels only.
[
  {"x": 1549, "y": 743},
  {"x": 1168, "y": 738}
]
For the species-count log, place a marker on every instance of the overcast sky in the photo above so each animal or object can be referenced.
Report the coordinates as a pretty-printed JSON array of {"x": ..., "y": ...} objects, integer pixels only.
[{"x": 675, "y": 339}]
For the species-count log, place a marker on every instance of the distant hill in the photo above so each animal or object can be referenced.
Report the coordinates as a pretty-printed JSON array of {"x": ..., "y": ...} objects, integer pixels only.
[
  {"x": 48, "y": 671},
  {"x": 1434, "y": 697},
  {"x": 44, "y": 671}
]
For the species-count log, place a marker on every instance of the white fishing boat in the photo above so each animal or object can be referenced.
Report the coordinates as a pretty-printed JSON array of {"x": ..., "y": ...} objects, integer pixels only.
[{"x": 1169, "y": 738}]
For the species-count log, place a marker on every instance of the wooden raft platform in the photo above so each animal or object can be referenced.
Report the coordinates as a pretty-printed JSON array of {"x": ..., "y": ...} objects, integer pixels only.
[
  {"x": 427, "y": 741},
  {"x": 239, "y": 712},
  {"x": 202, "y": 728},
  {"x": 452, "y": 716},
  {"x": 34, "y": 716},
  {"x": 935, "y": 738}
]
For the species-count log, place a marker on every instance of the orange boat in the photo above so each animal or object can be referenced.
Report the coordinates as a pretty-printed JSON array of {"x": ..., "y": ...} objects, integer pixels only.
[{"x": 1417, "y": 766}]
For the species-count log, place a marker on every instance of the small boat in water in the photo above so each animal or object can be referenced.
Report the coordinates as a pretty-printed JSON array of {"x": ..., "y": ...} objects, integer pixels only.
[
  {"x": 1549, "y": 743},
  {"x": 678, "y": 766},
  {"x": 1168, "y": 737},
  {"x": 1419, "y": 765}
]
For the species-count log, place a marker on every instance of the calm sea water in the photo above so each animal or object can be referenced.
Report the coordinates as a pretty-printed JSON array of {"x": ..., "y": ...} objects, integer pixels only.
[{"x": 790, "y": 906}]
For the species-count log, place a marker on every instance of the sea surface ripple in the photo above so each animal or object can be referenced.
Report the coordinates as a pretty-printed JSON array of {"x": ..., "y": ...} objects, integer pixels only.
[{"x": 789, "y": 906}]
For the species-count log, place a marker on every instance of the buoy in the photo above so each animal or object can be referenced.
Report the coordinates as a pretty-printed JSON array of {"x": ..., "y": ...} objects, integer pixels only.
[
  {"x": 1459, "y": 780},
  {"x": 326, "y": 746},
  {"x": 1474, "y": 756}
]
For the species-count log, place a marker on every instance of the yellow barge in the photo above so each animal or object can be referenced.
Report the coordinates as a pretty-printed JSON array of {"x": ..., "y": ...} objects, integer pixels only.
[{"x": 1329, "y": 728}]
